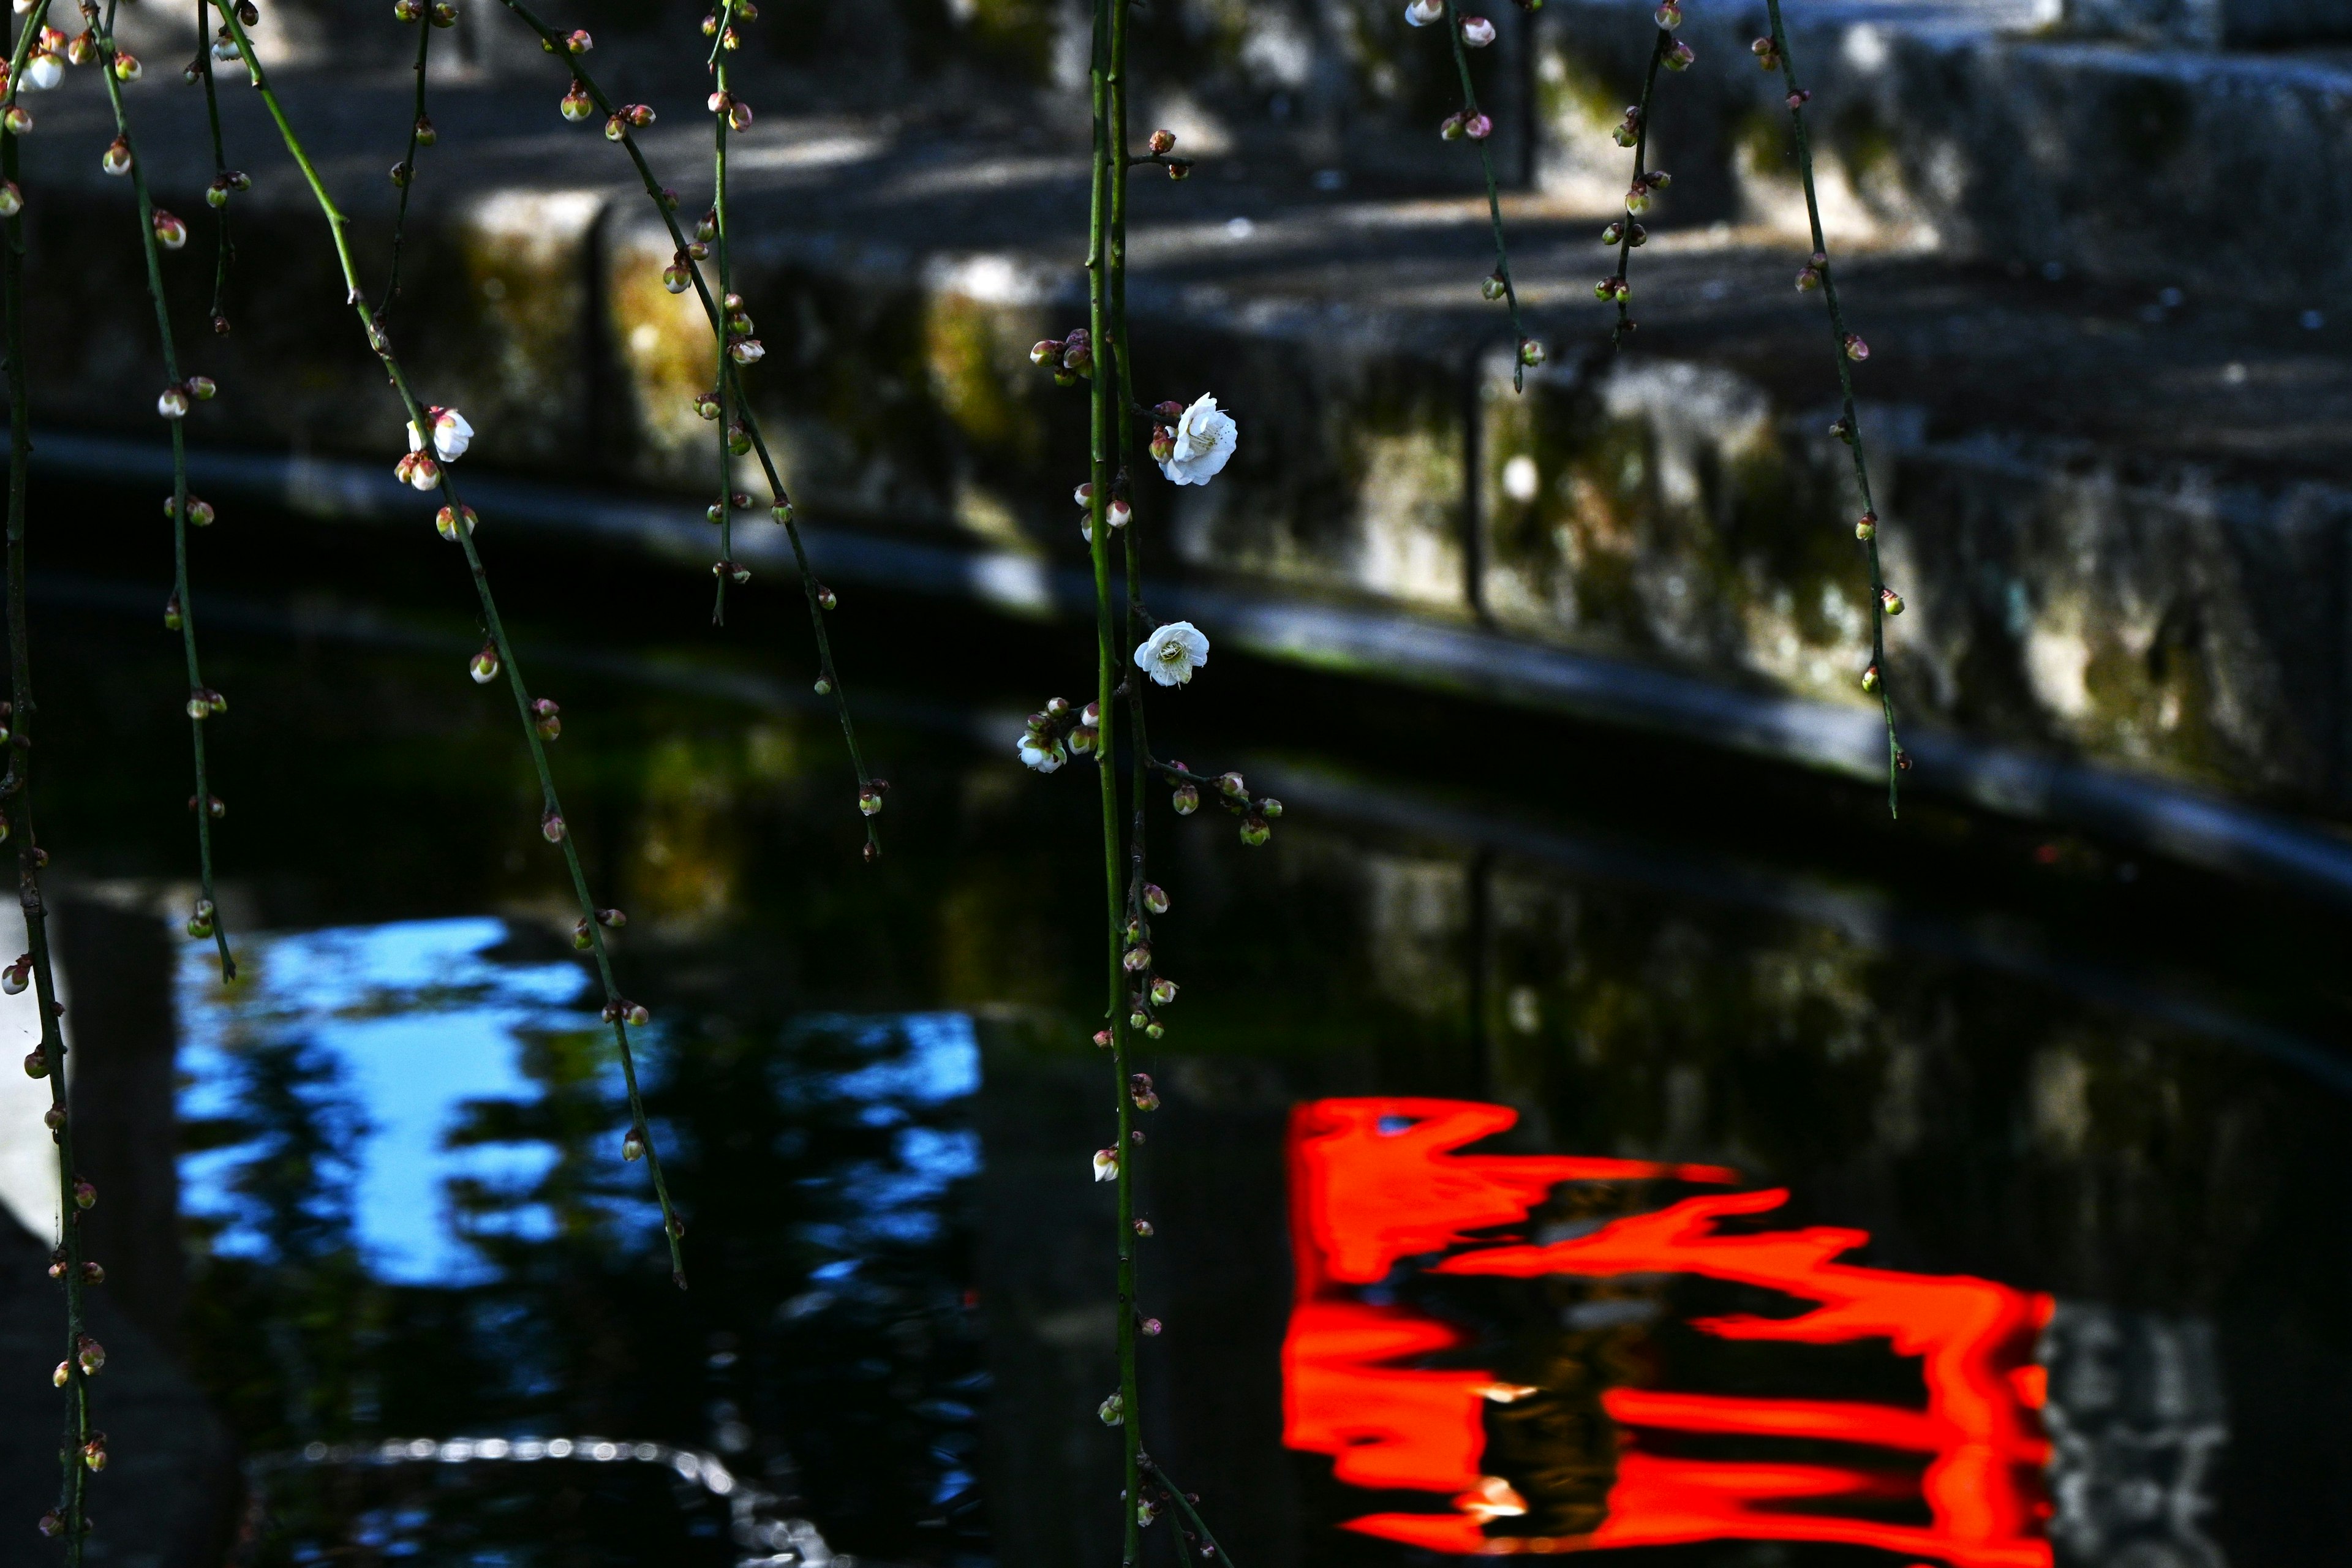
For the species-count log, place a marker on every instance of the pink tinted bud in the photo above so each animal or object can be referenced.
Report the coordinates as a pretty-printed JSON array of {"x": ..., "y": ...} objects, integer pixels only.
[
  {"x": 577, "y": 105},
  {"x": 116, "y": 159},
  {"x": 1477, "y": 32},
  {"x": 1855, "y": 349},
  {"x": 1162, "y": 142},
  {"x": 578, "y": 43},
  {"x": 170, "y": 232},
  {"x": 551, "y": 828},
  {"x": 1478, "y": 128}
]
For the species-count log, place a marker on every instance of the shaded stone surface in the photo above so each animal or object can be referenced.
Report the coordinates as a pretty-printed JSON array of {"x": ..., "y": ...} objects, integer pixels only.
[{"x": 2118, "y": 515}]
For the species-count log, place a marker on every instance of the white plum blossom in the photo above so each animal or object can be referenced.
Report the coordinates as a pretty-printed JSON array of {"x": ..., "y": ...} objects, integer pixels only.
[
  {"x": 1106, "y": 1165},
  {"x": 451, "y": 435},
  {"x": 1205, "y": 438},
  {"x": 1423, "y": 13},
  {"x": 44, "y": 71},
  {"x": 1172, "y": 654},
  {"x": 1046, "y": 758}
]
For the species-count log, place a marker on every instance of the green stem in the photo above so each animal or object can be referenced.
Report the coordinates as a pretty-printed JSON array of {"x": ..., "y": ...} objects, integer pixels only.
[
  {"x": 152, "y": 251},
  {"x": 1110, "y": 61},
  {"x": 337, "y": 224},
  {"x": 74, "y": 1475},
  {"x": 811, "y": 589},
  {"x": 1494, "y": 198},
  {"x": 400, "y": 223},
  {"x": 1896, "y": 761}
]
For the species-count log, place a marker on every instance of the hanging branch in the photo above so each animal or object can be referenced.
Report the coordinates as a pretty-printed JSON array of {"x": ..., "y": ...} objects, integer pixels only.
[
  {"x": 539, "y": 717},
  {"x": 225, "y": 180},
  {"x": 1467, "y": 33},
  {"x": 159, "y": 231},
  {"x": 722, "y": 26},
  {"x": 1191, "y": 444},
  {"x": 586, "y": 98},
  {"x": 1773, "y": 53},
  {"x": 1625, "y": 233},
  {"x": 80, "y": 1450},
  {"x": 434, "y": 15}
]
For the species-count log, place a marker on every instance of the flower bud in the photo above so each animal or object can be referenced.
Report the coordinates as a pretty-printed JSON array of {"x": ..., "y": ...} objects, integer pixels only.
[
  {"x": 1679, "y": 57},
  {"x": 93, "y": 1453},
  {"x": 444, "y": 522},
  {"x": 1155, "y": 899},
  {"x": 707, "y": 405},
  {"x": 745, "y": 350},
  {"x": 1637, "y": 198},
  {"x": 738, "y": 117},
  {"x": 1162, "y": 142},
  {"x": 1254, "y": 830},
  {"x": 202, "y": 388},
  {"x": 1808, "y": 279},
  {"x": 17, "y": 976},
  {"x": 1891, "y": 600},
  {"x": 582, "y": 940},
  {"x": 633, "y": 1147},
  {"x": 1102, "y": 1038},
  {"x": 36, "y": 1062},
  {"x": 1668, "y": 16},
  {"x": 1626, "y": 135},
  {"x": 577, "y": 105},
  {"x": 1143, "y": 1228},
  {"x": 424, "y": 132},
  {"x": 1113, "y": 1410},
  {"x": 1149, "y": 1328},
  {"x": 1044, "y": 351},
  {"x": 578, "y": 43},
  {"x": 551, "y": 828},
  {"x": 1186, "y": 799},
  {"x": 170, "y": 232},
  {"x": 1478, "y": 128},
  {"x": 1843, "y": 430},
  {"x": 1531, "y": 352},
  {"x": 1855, "y": 349},
  {"x": 116, "y": 159},
  {"x": 82, "y": 49},
  {"x": 443, "y": 13},
  {"x": 12, "y": 200},
  {"x": 406, "y": 10},
  {"x": 1136, "y": 959},
  {"x": 1138, "y": 1019},
  {"x": 17, "y": 120},
  {"x": 781, "y": 511},
  {"x": 1767, "y": 52},
  {"x": 1870, "y": 679},
  {"x": 1865, "y": 528},
  {"x": 126, "y": 66},
  {"x": 63, "y": 1375},
  {"x": 484, "y": 666},
  {"x": 1450, "y": 128},
  {"x": 1477, "y": 32},
  {"x": 1425, "y": 13},
  {"x": 85, "y": 1196},
  {"x": 639, "y": 114},
  {"x": 870, "y": 801},
  {"x": 1269, "y": 807},
  {"x": 91, "y": 1273},
  {"x": 823, "y": 688},
  {"x": 90, "y": 1355},
  {"x": 200, "y": 923},
  {"x": 173, "y": 402},
  {"x": 615, "y": 127},
  {"x": 1106, "y": 1166},
  {"x": 825, "y": 600},
  {"x": 1799, "y": 99},
  {"x": 1179, "y": 169},
  {"x": 1163, "y": 990},
  {"x": 1118, "y": 515}
]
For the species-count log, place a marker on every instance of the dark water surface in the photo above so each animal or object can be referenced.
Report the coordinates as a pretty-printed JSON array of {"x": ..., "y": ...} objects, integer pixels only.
[{"x": 1485, "y": 1077}]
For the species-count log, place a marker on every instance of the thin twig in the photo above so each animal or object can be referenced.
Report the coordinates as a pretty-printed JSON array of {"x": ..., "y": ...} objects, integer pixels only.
[
  {"x": 68, "y": 1517},
  {"x": 224, "y": 182},
  {"x": 406, "y": 174},
  {"x": 460, "y": 518},
  {"x": 724, "y": 381},
  {"x": 1850, "y": 427},
  {"x": 1470, "y": 111},
  {"x": 666, "y": 204},
  {"x": 207, "y": 913},
  {"x": 1632, "y": 231}
]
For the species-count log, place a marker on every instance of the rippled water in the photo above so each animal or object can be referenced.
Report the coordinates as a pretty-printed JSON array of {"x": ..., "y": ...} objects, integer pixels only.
[{"x": 1566, "y": 1146}]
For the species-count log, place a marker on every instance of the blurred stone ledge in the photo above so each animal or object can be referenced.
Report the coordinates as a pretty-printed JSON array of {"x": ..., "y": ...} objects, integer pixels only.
[{"x": 2117, "y": 517}]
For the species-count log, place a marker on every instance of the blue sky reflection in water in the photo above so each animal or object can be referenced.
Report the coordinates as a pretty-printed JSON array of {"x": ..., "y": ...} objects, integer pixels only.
[{"x": 413, "y": 1021}]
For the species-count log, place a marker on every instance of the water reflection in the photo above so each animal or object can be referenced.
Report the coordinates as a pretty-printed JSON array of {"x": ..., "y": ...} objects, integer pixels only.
[{"x": 880, "y": 1096}]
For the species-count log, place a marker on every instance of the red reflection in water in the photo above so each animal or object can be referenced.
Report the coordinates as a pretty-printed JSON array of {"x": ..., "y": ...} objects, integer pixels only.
[{"x": 1363, "y": 1198}]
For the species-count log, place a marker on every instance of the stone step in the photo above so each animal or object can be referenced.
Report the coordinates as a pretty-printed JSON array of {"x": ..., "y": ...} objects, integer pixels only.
[{"x": 2117, "y": 523}]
